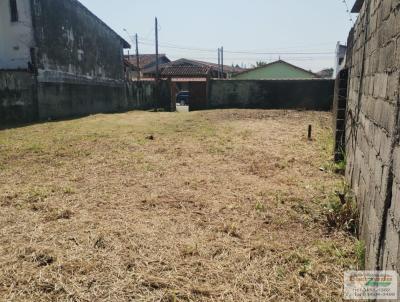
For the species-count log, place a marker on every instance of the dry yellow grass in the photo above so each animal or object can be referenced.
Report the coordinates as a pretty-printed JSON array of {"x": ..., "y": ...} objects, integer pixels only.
[{"x": 204, "y": 206}]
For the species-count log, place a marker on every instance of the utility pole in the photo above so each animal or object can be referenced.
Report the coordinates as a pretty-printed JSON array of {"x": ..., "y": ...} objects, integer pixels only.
[
  {"x": 157, "y": 61},
  {"x": 157, "y": 68},
  {"x": 137, "y": 57},
  {"x": 219, "y": 63},
  {"x": 222, "y": 62}
]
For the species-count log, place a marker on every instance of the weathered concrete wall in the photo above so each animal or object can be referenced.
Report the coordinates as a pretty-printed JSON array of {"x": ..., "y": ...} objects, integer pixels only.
[
  {"x": 17, "y": 102},
  {"x": 63, "y": 100},
  {"x": 372, "y": 129},
  {"x": 17, "y": 36},
  {"x": 79, "y": 61},
  {"x": 167, "y": 101},
  {"x": 271, "y": 94},
  {"x": 74, "y": 45},
  {"x": 143, "y": 95},
  {"x": 77, "y": 69}
]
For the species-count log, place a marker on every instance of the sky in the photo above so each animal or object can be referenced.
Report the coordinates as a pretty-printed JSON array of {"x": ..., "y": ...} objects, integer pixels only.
[{"x": 302, "y": 32}]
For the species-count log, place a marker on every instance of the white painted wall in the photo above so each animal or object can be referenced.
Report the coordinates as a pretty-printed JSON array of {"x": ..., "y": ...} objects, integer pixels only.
[{"x": 15, "y": 38}]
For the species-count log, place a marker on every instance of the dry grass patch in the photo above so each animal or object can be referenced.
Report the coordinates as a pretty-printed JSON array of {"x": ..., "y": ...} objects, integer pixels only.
[{"x": 204, "y": 206}]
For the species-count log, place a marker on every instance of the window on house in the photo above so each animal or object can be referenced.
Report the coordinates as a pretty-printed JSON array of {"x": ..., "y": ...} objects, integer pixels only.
[{"x": 14, "y": 10}]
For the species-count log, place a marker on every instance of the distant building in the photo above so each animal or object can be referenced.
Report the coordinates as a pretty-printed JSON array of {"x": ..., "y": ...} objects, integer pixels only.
[
  {"x": 276, "y": 70},
  {"x": 185, "y": 68},
  {"x": 71, "y": 58},
  {"x": 146, "y": 62},
  {"x": 340, "y": 59},
  {"x": 131, "y": 71}
]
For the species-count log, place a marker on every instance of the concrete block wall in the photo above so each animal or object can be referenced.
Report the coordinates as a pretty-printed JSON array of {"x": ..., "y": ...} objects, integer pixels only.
[
  {"x": 271, "y": 94},
  {"x": 140, "y": 95},
  {"x": 65, "y": 100},
  {"x": 17, "y": 102},
  {"x": 143, "y": 95},
  {"x": 339, "y": 114},
  {"x": 372, "y": 129}
]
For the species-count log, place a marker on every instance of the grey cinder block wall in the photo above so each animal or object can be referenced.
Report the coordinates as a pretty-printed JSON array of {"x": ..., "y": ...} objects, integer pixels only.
[
  {"x": 372, "y": 129},
  {"x": 309, "y": 94}
]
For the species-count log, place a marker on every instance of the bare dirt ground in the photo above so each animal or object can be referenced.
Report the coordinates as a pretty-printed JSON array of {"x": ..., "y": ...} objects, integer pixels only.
[{"x": 204, "y": 206}]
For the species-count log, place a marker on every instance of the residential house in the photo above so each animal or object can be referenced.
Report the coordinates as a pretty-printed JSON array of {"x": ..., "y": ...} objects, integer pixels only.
[
  {"x": 146, "y": 62},
  {"x": 57, "y": 59},
  {"x": 275, "y": 70},
  {"x": 185, "y": 68},
  {"x": 132, "y": 72}
]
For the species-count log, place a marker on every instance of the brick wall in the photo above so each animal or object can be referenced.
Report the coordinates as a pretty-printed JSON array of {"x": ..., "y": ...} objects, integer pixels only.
[{"x": 372, "y": 129}]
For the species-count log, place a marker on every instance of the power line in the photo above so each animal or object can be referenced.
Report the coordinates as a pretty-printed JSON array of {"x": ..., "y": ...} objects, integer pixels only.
[
  {"x": 131, "y": 37},
  {"x": 250, "y": 57},
  {"x": 213, "y": 50},
  {"x": 348, "y": 10},
  {"x": 150, "y": 32},
  {"x": 280, "y": 53},
  {"x": 180, "y": 47},
  {"x": 243, "y": 52},
  {"x": 253, "y": 59},
  {"x": 173, "y": 46}
]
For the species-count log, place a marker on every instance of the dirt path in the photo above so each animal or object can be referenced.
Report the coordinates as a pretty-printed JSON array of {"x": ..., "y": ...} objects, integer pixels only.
[{"x": 204, "y": 206}]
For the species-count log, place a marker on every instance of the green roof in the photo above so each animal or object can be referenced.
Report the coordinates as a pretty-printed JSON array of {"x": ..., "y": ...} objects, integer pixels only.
[{"x": 276, "y": 70}]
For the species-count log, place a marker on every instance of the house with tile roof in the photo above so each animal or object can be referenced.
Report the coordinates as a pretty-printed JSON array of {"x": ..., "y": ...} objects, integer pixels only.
[
  {"x": 146, "y": 62},
  {"x": 185, "y": 68},
  {"x": 276, "y": 70}
]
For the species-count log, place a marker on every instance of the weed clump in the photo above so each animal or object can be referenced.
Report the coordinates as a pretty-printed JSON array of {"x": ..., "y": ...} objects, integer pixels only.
[
  {"x": 360, "y": 254},
  {"x": 342, "y": 212}
]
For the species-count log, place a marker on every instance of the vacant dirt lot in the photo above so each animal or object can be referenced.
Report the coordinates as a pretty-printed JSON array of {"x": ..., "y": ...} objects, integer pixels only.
[{"x": 205, "y": 206}]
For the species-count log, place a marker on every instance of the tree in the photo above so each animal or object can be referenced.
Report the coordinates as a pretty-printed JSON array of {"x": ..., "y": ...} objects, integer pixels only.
[
  {"x": 260, "y": 64},
  {"x": 326, "y": 73}
]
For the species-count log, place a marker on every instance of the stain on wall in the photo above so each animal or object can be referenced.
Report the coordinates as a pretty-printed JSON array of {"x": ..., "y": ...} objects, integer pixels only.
[
  {"x": 143, "y": 95},
  {"x": 17, "y": 102},
  {"x": 79, "y": 61},
  {"x": 78, "y": 99},
  {"x": 73, "y": 44}
]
